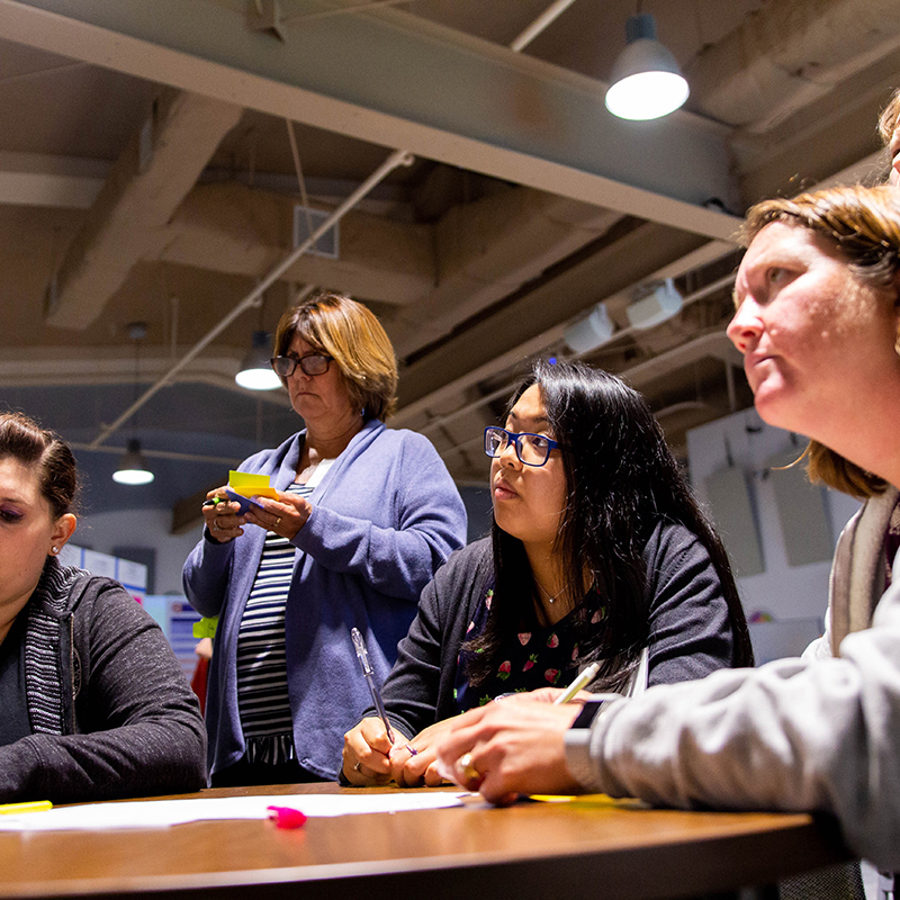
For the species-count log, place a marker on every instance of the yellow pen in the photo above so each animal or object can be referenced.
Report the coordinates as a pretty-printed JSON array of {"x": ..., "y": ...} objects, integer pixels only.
[
  {"x": 584, "y": 678},
  {"x": 11, "y": 809}
]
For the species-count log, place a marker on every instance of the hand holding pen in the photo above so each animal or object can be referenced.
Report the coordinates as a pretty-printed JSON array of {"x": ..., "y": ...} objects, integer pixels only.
[
  {"x": 369, "y": 674},
  {"x": 221, "y": 517},
  {"x": 373, "y": 738}
]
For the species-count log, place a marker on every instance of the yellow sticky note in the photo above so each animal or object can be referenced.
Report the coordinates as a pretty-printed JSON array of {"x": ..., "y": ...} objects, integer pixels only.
[{"x": 249, "y": 484}]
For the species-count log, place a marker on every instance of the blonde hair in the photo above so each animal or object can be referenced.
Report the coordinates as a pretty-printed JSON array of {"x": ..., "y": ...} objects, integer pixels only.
[
  {"x": 890, "y": 116},
  {"x": 864, "y": 225},
  {"x": 351, "y": 334}
]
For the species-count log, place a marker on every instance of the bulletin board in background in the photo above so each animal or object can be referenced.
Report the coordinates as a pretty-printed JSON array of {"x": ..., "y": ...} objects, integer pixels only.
[{"x": 131, "y": 575}]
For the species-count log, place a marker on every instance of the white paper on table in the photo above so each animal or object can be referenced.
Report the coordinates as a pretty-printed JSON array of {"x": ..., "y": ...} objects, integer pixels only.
[{"x": 163, "y": 813}]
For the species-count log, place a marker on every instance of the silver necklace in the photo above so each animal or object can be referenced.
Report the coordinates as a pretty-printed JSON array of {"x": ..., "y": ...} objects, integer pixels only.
[{"x": 544, "y": 590}]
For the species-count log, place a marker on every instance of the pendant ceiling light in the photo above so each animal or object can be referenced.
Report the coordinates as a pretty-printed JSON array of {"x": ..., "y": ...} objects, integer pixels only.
[
  {"x": 132, "y": 469},
  {"x": 256, "y": 370},
  {"x": 646, "y": 82}
]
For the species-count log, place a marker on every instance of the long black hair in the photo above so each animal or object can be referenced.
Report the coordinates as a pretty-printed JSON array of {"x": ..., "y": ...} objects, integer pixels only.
[{"x": 621, "y": 481}]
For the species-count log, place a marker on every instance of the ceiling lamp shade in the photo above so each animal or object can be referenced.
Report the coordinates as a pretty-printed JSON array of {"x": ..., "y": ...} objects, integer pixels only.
[
  {"x": 256, "y": 371},
  {"x": 132, "y": 468},
  {"x": 660, "y": 303},
  {"x": 646, "y": 82},
  {"x": 592, "y": 332}
]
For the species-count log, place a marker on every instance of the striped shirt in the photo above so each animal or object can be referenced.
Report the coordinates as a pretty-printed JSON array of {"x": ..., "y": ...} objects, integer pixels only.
[{"x": 263, "y": 702}]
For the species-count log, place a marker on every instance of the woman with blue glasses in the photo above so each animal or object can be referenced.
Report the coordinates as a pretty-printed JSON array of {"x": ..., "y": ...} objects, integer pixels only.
[{"x": 599, "y": 554}]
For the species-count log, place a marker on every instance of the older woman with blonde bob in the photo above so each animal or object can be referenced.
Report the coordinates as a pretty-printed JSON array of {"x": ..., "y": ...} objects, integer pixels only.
[
  {"x": 364, "y": 516},
  {"x": 818, "y": 324}
]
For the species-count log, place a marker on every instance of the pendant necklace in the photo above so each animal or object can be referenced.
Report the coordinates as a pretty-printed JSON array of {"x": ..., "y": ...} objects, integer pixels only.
[{"x": 544, "y": 590}]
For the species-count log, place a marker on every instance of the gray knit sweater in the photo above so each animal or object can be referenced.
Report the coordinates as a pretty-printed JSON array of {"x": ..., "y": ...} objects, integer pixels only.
[
  {"x": 111, "y": 712},
  {"x": 820, "y": 734}
]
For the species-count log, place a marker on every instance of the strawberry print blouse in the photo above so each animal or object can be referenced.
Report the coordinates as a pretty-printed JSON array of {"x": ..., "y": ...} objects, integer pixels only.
[{"x": 546, "y": 657}]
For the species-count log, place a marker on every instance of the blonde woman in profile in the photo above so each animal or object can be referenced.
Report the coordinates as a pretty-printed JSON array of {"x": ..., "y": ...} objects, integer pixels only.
[
  {"x": 818, "y": 324},
  {"x": 364, "y": 516}
]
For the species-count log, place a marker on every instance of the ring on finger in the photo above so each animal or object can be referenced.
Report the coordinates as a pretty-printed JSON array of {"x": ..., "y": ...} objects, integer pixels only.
[
  {"x": 357, "y": 766},
  {"x": 467, "y": 767},
  {"x": 277, "y": 522},
  {"x": 215, "y": 524}
]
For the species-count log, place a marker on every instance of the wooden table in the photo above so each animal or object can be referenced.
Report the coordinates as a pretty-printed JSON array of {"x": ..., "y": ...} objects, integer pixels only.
[{"x": 531, "y": 850}]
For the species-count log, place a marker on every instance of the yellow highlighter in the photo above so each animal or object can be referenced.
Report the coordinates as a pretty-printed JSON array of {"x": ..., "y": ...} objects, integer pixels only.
[{"x": 12, "y": 809}]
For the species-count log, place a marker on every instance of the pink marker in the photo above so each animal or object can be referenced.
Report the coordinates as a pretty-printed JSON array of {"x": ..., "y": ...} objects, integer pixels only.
[{"x": 285, "y": 817}]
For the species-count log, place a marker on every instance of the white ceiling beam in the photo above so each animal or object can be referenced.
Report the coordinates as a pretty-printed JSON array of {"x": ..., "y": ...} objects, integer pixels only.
[
  {"x": 511, "y": 325},
  {"x": 128, "y": 222},
  {"x": 39, "y": 179},
  {"x": 240, "y": 230},
  {"x": 394, "y": 79}
]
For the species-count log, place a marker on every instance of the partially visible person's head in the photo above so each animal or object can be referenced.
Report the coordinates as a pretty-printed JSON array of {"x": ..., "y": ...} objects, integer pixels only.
[
  {"x": 37, "y": 490},
  {"x": 854, "y": 228},
  {"x": 24, "y": 441},
  {"x": 351, "y": 334}
]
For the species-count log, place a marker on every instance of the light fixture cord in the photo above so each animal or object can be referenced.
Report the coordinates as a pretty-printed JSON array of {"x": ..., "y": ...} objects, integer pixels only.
[{"x": 137, "y": 371}]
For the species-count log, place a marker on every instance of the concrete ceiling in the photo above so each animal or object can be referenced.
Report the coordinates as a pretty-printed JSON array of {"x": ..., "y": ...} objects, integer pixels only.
[{"x": 152, "y": 154}]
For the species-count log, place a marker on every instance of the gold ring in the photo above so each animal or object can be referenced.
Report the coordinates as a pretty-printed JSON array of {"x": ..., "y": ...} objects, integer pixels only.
[
  {"x": 278, "y": 521},
  {"x": 467, "y": 767},
  {"x": 357, "y": 766}
]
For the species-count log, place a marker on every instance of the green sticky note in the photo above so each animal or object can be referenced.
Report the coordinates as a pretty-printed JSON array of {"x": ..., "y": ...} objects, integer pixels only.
[{"x": 205, "y": 628}]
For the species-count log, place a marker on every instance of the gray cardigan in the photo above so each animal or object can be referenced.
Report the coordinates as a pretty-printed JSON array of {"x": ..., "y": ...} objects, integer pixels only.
[
  {"x": 690, "y": 634},
  {"x": 111, "y": 712}
]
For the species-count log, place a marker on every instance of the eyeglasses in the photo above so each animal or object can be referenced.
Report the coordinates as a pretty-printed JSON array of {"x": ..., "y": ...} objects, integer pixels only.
[
  {"x": 531, "y": 449},
  {"x": 312, "y": 364}
]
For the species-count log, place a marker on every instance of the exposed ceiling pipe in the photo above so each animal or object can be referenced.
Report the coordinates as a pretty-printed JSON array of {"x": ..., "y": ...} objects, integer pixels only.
[
  {"x": 540, "y": 23},
  {"x": 396, "y": 159}
]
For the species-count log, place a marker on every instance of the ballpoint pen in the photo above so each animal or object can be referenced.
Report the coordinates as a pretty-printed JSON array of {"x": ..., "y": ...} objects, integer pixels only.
[
  {"x": 583, "y": 679},
  {"x": 360, "y": 646},
  {"x": 368, "y": 673}
]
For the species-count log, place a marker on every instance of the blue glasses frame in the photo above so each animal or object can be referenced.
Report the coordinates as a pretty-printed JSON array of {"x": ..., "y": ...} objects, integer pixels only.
[{"x": 497, "y": 439}]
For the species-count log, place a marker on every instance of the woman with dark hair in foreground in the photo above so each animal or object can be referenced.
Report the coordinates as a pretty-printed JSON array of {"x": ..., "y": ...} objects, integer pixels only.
[
  {"x": 95, "y": 705},
  {"x": 599, "y": 554}
]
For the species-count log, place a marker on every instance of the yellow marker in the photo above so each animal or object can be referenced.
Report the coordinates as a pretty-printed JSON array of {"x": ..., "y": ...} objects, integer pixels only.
[{"x": 11, "y": 809}]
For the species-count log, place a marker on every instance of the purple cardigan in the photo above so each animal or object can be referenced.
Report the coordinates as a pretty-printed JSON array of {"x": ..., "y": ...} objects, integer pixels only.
[{"x": 385, "y": 516}]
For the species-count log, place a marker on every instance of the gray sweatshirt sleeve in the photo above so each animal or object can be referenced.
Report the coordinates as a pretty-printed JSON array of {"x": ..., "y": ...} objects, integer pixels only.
[{"x": 818, "y": 735}]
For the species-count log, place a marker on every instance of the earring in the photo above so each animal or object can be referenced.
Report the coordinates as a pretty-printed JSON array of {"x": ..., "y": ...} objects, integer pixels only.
[{"x": 55, "y": 550}]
